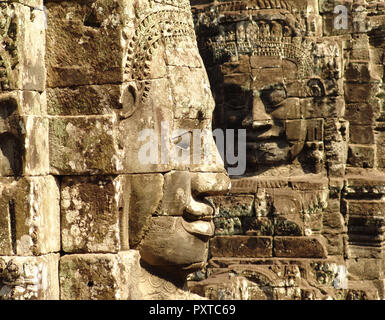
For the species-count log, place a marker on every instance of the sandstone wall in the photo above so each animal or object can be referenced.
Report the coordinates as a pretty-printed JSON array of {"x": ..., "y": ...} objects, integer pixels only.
[{"x": 74, "y": 199}]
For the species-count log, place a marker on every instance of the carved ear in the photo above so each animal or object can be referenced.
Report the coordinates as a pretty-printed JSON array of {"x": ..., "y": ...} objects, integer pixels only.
[
  {"x": 129, "y": 101},
  {"x": 316, "y": 87}
]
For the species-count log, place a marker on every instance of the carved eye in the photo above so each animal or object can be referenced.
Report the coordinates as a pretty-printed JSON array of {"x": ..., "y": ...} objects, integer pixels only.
[
  {"x": 235, "y": 104},
  {"x": 183, "y": 140},
  {"x": 273, "y": 96}
]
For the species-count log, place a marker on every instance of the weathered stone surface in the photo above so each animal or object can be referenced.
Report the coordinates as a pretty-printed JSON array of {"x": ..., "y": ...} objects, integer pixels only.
[
  {"x": 176, "y": 193},
  {"x": 29, "y": 278},
  {"x": 80, "y": 145},
  {"x": 84, "y": 100},
  {"x": 22, "y": 40},
  {"x": 23, "y": 143},
  {"x": 141, "y": 207},
  {"x": 241, "y": 246},
  {"x": 234, "y": 206},
  {"x": 300, "y": 247},
  {"x": 361, "y": 156},
  {"x": 92, "y": 214},
  {"x": 144, "y": 134},
  {"x": 361, "y": 135},
  {"x": 102, "y": 276},
  {"x": 95, "y": 56},
  {"x": 23, "y": 103},
  {"x": 30, "y": 216},
  {"x": 23, "y": 134},
  {"x": 366, "y": 269}
]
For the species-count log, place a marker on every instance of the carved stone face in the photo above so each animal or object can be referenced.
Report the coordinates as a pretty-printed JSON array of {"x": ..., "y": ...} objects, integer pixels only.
[
  {"x": 170, "y": 222},
  {"x": 260, "y": 102}
]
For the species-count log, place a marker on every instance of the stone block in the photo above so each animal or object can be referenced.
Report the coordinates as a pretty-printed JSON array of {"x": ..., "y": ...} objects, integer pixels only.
[
  {"x": 358, "y": 71},
  {"x": 22, "y": 55},
  {"x": 193, "y": 148},
  {"x": 183, "y": 54},
  {"x": 79, "y": 145},
  {"x": 228, "y": 226},
  {"x": 365, "y": 208},
  {"x": 364, "y": 251},
  {"x": 299, "y": 247},
  {"x": 334, "y": 107},
  {"x": 23, "y": 145},
  {"x": 334, "y": 242},
  {"x": 176, "y": 194},
  {"x": 361, "y": 134},
  {"x": 333, "y": 221},
  {"x": 234, "y": 206},
  {"x": 240, "y": 66},
  {"x": 84, "y": 100},
  {"x": 102, "y": 276},
  {"x": 366, "y": 230},
  {"x": 241, "y": 246},
  {"x": 93, "y": 217},
  {"x": 258, "y": 226},
  {"x": 86, "y": 42},
  {"x": 269, "y": 75},
  {"x": 366, "y": 269},
  {"x": 292, "y": 226},
  {"x": 330, "y": 30},
  {"x": 30, "y": 216},
  {"x": 22, "y": 103},
  {"x": 360, "y": 92},
  {"x": 29, "y": 278},
  {"x": 361, "y": 156},
  {"x": 362, "y": 113},
  {"x": 380, "y": 149}
]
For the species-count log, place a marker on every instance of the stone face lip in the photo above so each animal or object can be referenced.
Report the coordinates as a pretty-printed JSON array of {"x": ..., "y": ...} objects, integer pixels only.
[{"x": 200, "y": 228}]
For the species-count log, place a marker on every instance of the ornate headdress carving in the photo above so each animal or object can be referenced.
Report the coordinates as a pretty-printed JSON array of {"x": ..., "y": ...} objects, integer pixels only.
[
  {"x": 168, "y": 25},
  {"x": 256, "y": 27}
]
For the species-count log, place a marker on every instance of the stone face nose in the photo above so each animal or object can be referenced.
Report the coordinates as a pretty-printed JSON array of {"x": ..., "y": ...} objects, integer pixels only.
[
  {"x": 258, "y": 116},
  {"x": 206, "y": 184},
  {"x": 209, "y": 184}
]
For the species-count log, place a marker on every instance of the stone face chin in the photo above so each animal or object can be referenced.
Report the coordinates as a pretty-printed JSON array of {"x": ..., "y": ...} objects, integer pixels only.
[{"x": 167, "y": 244}]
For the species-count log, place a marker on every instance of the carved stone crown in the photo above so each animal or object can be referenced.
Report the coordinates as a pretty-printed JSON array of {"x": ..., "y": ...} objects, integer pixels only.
[
  {"x": 242, "y": 5},
  {"x": 226, "y": 33}
]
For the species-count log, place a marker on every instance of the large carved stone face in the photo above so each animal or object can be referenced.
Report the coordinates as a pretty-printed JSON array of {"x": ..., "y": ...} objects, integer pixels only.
[{"x": 169, "y": 93}]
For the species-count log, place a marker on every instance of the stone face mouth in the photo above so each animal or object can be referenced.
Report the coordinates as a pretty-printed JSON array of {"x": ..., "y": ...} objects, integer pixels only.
[{"x": 199, "y": 227}]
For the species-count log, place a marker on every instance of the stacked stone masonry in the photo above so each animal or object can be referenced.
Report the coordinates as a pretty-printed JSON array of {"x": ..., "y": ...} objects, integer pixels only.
[{"x": 81, "y": 217}]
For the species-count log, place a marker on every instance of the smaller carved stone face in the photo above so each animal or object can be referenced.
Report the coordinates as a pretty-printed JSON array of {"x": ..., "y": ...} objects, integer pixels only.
[{"x": 262, "y": 101}]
